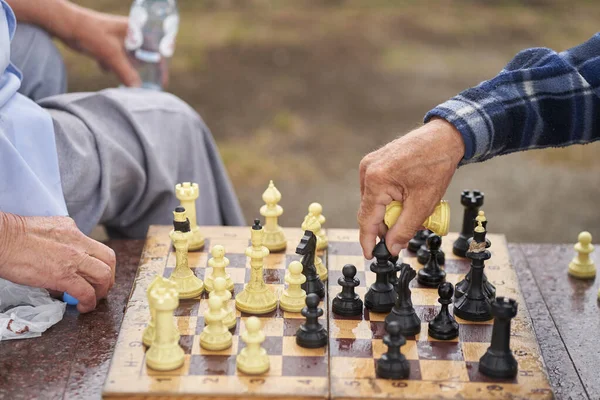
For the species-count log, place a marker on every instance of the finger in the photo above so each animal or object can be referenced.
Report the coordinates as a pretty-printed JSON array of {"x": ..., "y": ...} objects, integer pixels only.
[
  {"x": 98, "y": 274},
  {"x": 415, "y": 211},
  {"x": 103, "y": 253},
  {"x": 121, "y": 66},
  {"x": 370, "y": 218},
  {"x": 80, "y": 289}
]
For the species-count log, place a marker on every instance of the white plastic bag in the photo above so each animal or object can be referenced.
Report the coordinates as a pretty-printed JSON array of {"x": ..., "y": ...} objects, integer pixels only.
[{"x": 26, "y": 312}]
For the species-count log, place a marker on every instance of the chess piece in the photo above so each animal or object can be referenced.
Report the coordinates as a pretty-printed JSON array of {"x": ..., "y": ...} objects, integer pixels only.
[
  {"x": 222, "y": 293},
  {"x": 187, "y": 193},
  {"x": 150, "y": 330},
  {"x": 312, "y": 334},
  {"x": 381, "y": 295},
  {"x": 403, "y": 311},
  {"x": 393, "y": 364},
  {"x": 294, "y": 297},
  {"x": 444, "y": 326},
  {"x": 218, "y": 263},
  {"x": 488, "y": 289},
  {"x": 307, "y": 248},
  {"x": 418, "y": 240},
  {"x": 253, "y": 359},
  {"x": 215, "y": 335},
  {"x": 582, "y": 266},
  {"x": 499, "y": 361},
  {"x": 164, "y": 354},
  {"x": 274, "y": 238},
  {"x": 188, "y": 284},
  {"x": 256, "y": 298},
  {"x": 347, "y": 302},
  {"x": 317, "y": 210},
  {"x": 438, "y": 222},
  {"x": 474, "y": 305},
  {"x": 393, "y": 274},
  {"x": 424, "y": 255},
  {"x": 432, "y": 275},
  {"x": 471, "y": 200},
  {"x": 311, "y": 223}
]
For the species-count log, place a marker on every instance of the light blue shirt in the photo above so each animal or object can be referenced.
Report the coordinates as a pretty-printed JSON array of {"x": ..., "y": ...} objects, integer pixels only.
[{"x": 29, "y": 175}]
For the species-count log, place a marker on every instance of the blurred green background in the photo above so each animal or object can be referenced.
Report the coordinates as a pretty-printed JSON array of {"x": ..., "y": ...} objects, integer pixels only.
[{"x": 299, "y": 91}]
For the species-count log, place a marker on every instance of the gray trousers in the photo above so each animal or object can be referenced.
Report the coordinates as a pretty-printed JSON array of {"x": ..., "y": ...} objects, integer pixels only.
[{"x": 121, "y": 151}]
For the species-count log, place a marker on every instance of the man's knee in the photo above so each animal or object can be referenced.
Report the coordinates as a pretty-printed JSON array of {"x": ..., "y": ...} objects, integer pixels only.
[{"x": 40, "y": 61}]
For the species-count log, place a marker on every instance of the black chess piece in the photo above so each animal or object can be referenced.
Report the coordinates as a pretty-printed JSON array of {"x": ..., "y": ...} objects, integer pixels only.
[
  {"x": 418, "y": 240},
  {"x": 381, "y": 296},
  {"x": 444, "y": 326},
  {"x": 423, "y": 253},
  {"x": 488, "y": 289},
  {"x": 431, "y": 275},
  {"x": 403, "y": 311},
  {"x": 474, "y": 305},
  {"x": 393, "y": 364},
  {"x": 393, "y": 275},
  {"x": 307, "y": 248},
  {"x": 471, "y": 201},
  {"x": 499, "y": 361},
  {"x": 347, "y": 302},
  {"x": 312, "y": 334}
]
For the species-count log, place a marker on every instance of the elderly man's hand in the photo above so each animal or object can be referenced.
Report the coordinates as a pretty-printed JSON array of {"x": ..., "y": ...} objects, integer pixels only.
[
  {"x": 416, "y": 170},
  {"x": 52, "y": 253}
]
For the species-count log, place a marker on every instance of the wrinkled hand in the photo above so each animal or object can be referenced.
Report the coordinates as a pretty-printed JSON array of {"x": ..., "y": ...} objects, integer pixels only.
[
  {"x": 52, "y": 253},
  {"x": 102, "y": 36},
  {"x": 414, "y": 169}
]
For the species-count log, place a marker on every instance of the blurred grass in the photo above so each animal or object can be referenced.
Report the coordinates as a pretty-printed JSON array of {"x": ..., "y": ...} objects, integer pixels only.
[{"x": 300, "y": 90}]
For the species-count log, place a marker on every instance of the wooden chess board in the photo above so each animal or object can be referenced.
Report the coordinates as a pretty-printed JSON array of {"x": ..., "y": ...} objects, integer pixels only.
[{"x": 346, "y": 368}]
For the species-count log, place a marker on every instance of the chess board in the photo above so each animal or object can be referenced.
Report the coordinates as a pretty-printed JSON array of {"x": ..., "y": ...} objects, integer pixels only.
[{"x": 346, "y": 368}]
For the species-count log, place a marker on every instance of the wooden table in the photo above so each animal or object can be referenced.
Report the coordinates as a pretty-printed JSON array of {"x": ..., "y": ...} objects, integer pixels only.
[{"x": 71, "y": 360}]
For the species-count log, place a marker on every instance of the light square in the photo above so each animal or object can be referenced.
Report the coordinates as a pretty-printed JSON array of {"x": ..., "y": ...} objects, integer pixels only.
[
  {"x": 444, "y": 370},
  {"x": 348, "y": 367},
  {"x": 337, "y": 261},
  {"x": 472, "y": 351},
  {"x": 409, "y": 349},
  {"x": 186, "y": 325},
  {"x": 197, "y": 349},
  {"x": 290, "y": 348},
  {"x": 270, "y": 326},
  {"x": 350, "y": 329}
]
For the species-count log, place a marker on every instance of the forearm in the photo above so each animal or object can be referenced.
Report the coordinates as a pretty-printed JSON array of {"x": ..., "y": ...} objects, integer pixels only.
[
  {"x": 57, "y": 17},
  {"x": 11, "y": 228},
  {"x": 541, "y": 99}
]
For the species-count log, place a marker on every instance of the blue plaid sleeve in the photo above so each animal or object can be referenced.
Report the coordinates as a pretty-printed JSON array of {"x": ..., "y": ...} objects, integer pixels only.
[{"x": 540, "y": 99}]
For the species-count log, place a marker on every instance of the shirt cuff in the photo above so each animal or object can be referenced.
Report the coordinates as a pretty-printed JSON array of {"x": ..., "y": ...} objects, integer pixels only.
[{"x": 481, "y": 120}]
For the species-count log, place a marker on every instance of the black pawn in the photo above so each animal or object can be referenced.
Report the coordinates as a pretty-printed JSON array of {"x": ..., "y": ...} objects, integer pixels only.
[
  {"x": 403, "y": 311},
  {"x": 312, "y": 334},
  {"x": 307, "y": 248},
  {"x": 393, "y": 364},
  {"x": 418, "y": 240},
  {"x": 444, "y": 326},
  {"x": 347, "y": 302},
  {"x": 471, "y": 201},
  {"x": 498, "y": 361},
  {"x": 432, "y": 275},
  {"x": 423, "y": 253},
  {"x": 381, "y": 295},
  {"x": 474, "y": 305}
]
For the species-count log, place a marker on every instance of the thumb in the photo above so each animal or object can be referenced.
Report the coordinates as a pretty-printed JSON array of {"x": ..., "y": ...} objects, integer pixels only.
[
  {"x": 121, "y": 66},
  {"x": 410, "y": 221}
]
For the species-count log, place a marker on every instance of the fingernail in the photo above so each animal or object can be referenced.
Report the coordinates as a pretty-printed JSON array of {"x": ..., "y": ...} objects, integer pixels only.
[{"x": 396, "y": 248}]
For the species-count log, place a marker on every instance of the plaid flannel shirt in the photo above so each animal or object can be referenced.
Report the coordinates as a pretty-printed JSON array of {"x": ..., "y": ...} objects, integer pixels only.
[{"x": 540, "y": 99}]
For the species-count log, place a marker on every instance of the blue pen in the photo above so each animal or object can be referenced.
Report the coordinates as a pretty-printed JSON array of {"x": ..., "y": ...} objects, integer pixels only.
[{"x": 70, "y": 300}]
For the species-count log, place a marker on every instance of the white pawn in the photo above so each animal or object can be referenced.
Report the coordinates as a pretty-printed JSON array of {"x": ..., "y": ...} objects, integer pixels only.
[
  {"x": 215, "y": 336},
  {"x": 293, "y": 299},
  {"x": 221, "y": 292},
  {"x": 317, "y": 210},
  {"x": 253, "y": 358},
  {"x": 218, "y": 263},
  {"x": 582, "y": 266}
]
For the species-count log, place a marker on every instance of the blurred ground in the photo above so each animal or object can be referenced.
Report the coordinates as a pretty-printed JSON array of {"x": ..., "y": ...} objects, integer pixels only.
[{"x": 299, "y": 91}]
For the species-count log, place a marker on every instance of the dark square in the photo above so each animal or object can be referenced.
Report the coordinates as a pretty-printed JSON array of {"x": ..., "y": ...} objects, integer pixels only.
[
  {"x": 476, "y": 376},
  {"x": 457, "y": 266},
  {"x": 185, "y": 341},
  {"x": 475, "y": 332},
  {"x": 378, "y": 329},
  {"x": 168, "y": 271},
  {"x": 237, "y": 288},
  {"x": 345, "y": 248},
  {"x": 415, "y": 370},
  {"x": 439, "y": 350},
  {"x": 272, "y": 344},
  {"x": 212, "y": 365},
  {"x": 426, "y": 313},
  {"x": 334, "y": 275},
  {"x": 270, "y": 276},
  {"x": 290, "y": 326},
  {"x": 236, "y": 260},
  {"x": 353, "y": 317},
  {"x": 277, "y": 313},
  {"x": 199, "y": 325},
  {"x": 292, "y": 257},
  {"x": 351, "y": 348},
  {"x": 187, "y": 307},
  {"x": 304, "y": 366}
]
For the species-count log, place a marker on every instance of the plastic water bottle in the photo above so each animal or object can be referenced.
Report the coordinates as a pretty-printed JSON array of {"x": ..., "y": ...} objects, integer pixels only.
[{"x": 150, "y": 41}]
